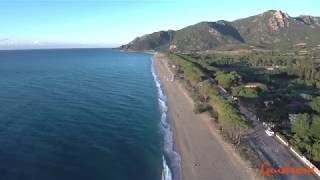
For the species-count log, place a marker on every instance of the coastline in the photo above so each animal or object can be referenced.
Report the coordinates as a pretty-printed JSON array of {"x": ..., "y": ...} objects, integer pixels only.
[
  {"x": 204, "y": 154},
  {"x": 169, "y": 153},
  {"x": 152, "y": 52}
]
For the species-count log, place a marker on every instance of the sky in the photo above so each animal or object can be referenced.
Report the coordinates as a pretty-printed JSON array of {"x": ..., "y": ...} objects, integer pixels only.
[{"x": 112, "y": 23}]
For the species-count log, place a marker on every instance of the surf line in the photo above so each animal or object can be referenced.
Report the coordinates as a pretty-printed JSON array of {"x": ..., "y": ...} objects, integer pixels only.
[{"x": 171, "y": 159}]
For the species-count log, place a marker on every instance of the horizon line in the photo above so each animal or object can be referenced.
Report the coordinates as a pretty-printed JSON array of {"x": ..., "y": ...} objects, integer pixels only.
[{"x": 57, "y": 48}]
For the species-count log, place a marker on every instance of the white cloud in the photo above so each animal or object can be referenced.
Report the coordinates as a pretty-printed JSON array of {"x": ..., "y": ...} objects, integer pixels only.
[{"x": 36, "y": 42}]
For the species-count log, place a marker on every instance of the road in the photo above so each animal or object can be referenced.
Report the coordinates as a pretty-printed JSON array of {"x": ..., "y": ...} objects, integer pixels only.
[
  {"x": 275, "y": 152},
  {"x": 270, "y": 148}
]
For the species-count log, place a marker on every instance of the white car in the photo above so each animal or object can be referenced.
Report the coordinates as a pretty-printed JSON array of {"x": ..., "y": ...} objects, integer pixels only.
[{"x": 269, "y": 132}]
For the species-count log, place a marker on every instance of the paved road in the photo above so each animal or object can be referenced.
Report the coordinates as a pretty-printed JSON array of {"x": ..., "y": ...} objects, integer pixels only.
[{"x": 273, "y": 150}]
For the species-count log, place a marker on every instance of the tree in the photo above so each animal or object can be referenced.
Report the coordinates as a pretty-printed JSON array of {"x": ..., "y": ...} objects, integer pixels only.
[
  {"x": 201, "y": 107},
  {"x": 303, "y": 143},
  {"x": 316, "y": 151},
  {"x": 191, "y": 72},
  {"x": 223, "y": 79},
  {"x": 227, "y": 80},
  {"x": 315, "y": 127},
  {"x": 244, "y": 92},
  {"x": 315, "y": 104},
  {"x": 261, "y": 87},
  {"x": 236, "y": 78},
  {"x": 301, "y": 125}
]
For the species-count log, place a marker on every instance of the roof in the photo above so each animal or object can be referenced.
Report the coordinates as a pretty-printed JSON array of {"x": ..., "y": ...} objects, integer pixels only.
[{"x": 252, "y": 83}]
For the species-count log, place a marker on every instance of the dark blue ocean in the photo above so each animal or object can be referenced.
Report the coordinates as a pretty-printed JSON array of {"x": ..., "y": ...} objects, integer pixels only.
[{"x": 79, "y": 114}]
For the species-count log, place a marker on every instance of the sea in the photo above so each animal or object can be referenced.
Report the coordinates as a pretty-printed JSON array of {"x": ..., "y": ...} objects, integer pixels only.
[{"x": 83, "y": 114}]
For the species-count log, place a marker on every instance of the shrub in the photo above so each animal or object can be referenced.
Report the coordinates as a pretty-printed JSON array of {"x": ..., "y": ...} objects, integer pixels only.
[
  {"x": 227, "y": 80},
  {"x": 201, "y": 107},
  {"x": 244, "y": 92}
]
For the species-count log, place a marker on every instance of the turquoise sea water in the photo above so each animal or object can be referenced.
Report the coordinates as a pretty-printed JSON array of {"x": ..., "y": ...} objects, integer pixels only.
[{"x": 79, "y": 114}]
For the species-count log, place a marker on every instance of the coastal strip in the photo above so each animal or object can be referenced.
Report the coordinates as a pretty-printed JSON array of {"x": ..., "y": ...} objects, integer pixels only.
[
  {"x": 203, "y": 153},
  {"x": 170, "y": 155}
]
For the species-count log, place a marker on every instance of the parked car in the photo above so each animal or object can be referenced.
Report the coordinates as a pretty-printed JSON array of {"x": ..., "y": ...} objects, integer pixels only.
[{"x": 269, "y": 132}]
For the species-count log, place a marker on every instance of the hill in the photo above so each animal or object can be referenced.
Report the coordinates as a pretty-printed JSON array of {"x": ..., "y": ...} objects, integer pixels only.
[{"x": 271, "y": 29}]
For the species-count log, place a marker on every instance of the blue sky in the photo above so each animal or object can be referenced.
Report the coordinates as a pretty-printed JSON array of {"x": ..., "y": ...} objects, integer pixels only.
[{"x": 118, "y": 22}]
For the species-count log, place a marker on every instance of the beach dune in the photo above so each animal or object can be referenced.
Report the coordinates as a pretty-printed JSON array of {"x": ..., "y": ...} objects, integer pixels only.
[{"x": 204, "y": 154}]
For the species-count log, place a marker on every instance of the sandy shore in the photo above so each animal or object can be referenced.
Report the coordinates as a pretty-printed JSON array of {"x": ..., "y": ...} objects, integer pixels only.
[{"x": 204, "y": 154}]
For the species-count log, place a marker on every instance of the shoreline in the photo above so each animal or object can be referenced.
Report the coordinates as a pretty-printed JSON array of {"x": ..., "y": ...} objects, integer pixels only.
[
  {"x": 204, "y": 154},
  {"x": 169, "y": 153}
]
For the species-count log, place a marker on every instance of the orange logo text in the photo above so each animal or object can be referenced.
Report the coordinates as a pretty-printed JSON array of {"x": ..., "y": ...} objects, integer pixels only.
[{"x": 266, "y": 169}]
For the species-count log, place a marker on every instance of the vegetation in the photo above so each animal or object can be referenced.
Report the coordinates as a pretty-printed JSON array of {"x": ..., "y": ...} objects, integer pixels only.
[
  {"x": 231, "y": 120},
  {"x": 191, "y": 72},
  {"x": 254, "y": 32},
  {"x": 316, "y": 151},
  {"x": 227, "y": 80},
  {"x": 285, "y": 94},
  {"x": 201, "y": 107},
  {"x": 315, "y": 104},
  {"x": 306, "y": 136},
  {"x": 315, "y": 127},
  {"x": 244, "y": 92},
  {"x": 281, "y": 59}
]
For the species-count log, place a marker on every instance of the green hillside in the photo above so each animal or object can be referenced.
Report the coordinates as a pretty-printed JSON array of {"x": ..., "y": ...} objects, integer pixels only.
[{"x": 270, "y": 29}]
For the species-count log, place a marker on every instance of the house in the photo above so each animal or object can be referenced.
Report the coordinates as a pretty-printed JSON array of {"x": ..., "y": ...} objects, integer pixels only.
[
  {"x": 273, "y": 67},
  {"x": 301, "y": 45},
  {"x": 172, "y": 46},
  {"x": 303, "y": 52},
  {"x": 251, "y": 85},
  {"x": 267, "y": 103}
]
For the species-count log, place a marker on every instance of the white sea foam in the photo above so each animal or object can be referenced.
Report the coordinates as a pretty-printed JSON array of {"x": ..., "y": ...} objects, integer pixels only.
[{"x": 171, "y": 159}]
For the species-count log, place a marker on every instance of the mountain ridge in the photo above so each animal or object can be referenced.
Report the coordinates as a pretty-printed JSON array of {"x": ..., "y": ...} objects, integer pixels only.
[{"x": 272, "y": 28}]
